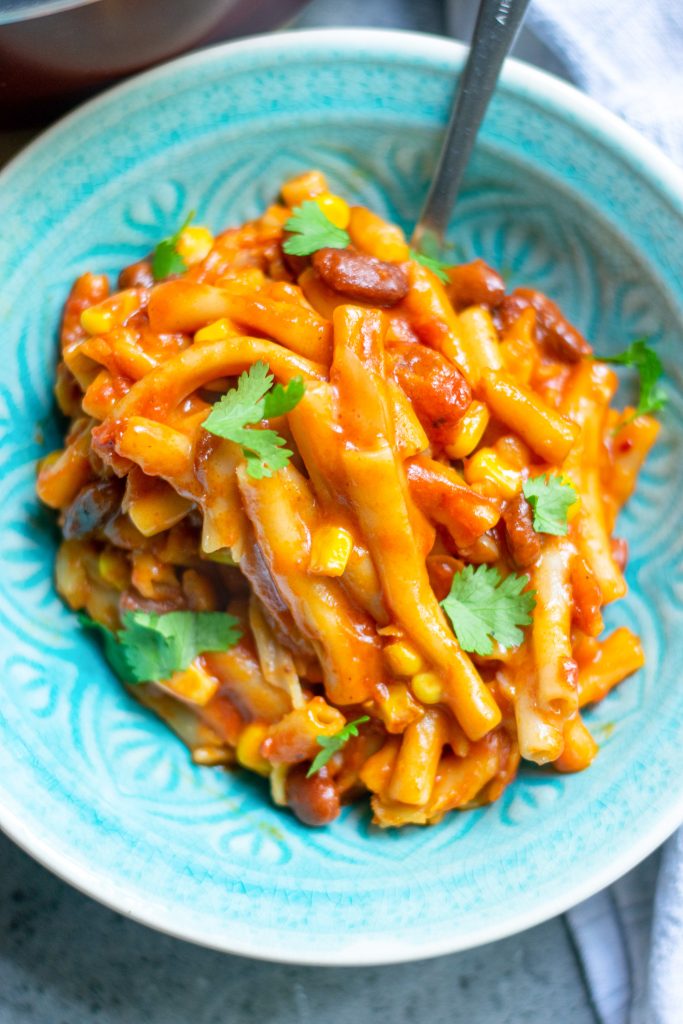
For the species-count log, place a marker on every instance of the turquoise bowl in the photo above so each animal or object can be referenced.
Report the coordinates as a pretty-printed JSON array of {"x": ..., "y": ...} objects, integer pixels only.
[{"x": 559, "y": 195}]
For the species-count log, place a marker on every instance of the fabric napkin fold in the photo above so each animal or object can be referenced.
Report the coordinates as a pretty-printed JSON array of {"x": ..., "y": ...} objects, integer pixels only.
[{"x": 628, "y": 54}]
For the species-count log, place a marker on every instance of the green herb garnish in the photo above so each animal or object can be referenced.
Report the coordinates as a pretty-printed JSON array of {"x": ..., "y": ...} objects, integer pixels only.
[
  {"x": 483, "y": 607},
  {"x": 166, "y": 259},
  {"x": 550, "y": 498},
  {"x": 437, "y": 267},
  {"x": 311, "y": 229},
  {"x": 249, "y": 403},
  {"x": 649, "y": 367},
  {"x": 152, "y": 647},
  {"x": 331, "y": 744}
]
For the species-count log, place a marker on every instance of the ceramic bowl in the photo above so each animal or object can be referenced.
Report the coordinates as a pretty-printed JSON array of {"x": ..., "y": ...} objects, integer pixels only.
[{"x": 559, "y": 195}]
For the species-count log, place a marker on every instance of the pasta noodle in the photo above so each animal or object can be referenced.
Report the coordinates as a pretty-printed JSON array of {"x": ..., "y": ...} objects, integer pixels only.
[{"x": 428, "y": 436}]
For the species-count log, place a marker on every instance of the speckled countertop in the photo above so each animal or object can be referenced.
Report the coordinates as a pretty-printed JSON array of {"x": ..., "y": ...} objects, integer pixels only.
[{"x": 66, "y": 960}]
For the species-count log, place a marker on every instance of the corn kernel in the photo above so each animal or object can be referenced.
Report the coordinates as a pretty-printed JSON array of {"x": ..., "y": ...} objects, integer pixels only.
[
  {"x": 468, "y": 431},
  {"x": 489, "y": 475},
  {"x": 114, "y": 569},
  {"x": 216, "y": 331},
  {"x": 403, "y": 659},
  {"x": 331, "y": 547},
  {"x": 194, "y": 244},
  {"x": 573, "y": 510},
  {"x": 304, "y": 186},
  {"x": 427, "y": 687},
  {"x": 249, "y": 748},
  {"x": 112, "y": 312},
  {"x": 194, "y": 684},
  {"x": 97, "y": 321},
  {"x": 335, "y": 208}
]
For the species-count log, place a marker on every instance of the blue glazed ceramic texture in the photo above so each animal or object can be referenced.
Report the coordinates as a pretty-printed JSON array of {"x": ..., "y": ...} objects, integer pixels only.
[{"x": 94, "y": 785}]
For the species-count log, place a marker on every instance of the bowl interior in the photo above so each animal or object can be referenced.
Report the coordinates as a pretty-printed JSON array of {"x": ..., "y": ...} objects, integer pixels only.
[{"x": 89, "y": 781}]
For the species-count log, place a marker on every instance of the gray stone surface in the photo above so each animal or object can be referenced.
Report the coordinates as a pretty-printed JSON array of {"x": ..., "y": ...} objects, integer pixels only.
[{"x": 66, "y": 960}]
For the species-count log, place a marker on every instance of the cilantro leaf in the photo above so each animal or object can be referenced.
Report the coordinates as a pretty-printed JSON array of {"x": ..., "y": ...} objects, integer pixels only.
[
  {"x": 156, "y": 646},
  {"x": 250, "y": 402},
  {"x": 152, "y": 647},
  {"x": 241, "y": 405},
  {"x": 331, "y": 744},
  {"x": 482, "y": 607},
  {"x": 166, "y": 259},
  {"x": 311, "y": 230},
  {"x": 264, "y": 452},
  {"x": 281, "y": 400},
  {"x": 436, "y": 266},
  {"x": 550, "y": 498},
  {"x": 647, "y": 363}
]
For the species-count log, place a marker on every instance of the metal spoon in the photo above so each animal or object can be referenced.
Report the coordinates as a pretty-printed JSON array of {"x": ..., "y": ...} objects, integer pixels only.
[{"x": 494, "y": 33}]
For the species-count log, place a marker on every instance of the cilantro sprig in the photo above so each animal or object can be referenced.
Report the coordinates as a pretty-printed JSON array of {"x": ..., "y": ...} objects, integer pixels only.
[
  {"x": 311, "y": 229},
  {"x": 436, "y": 266},
  {"x": 483, "y": 607},
  {"x": 152, "y": 647},
  {"x": 166, "y": 259},
  {"x": 249, "y": 403},
  {"x": 550, "y": 498},
  {"x": 642, "y": 358},
  {"x": 331, "y": 744}
]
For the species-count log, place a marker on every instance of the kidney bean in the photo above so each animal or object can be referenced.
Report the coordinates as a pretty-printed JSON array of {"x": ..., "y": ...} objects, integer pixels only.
[
  {"x": 524, "y": 543},
  {"x": 439, "y": 393},
  {"x": 94, "y": 505},
  {"x": 475, "y": 284},
  {"x": 315, "y": 801},
  {"x": 507, "y": 312},
  {"x": 562, "y": 337},
  {"x": 137, "y": 275},
  {"x": 553, "y": 330},
  {"x": 361, "y": 277}
]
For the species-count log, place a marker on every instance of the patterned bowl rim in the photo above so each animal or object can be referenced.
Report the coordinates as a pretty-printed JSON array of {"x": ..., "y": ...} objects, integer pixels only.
[{"x": 560, "y": 101}]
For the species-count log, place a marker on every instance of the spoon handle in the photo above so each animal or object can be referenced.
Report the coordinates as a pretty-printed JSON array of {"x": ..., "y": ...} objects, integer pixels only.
[{"x": 494, "y": 34}]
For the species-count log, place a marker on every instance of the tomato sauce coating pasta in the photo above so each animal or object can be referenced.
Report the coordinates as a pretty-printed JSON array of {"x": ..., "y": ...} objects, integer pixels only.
[{"x": 427, "y": 402}]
